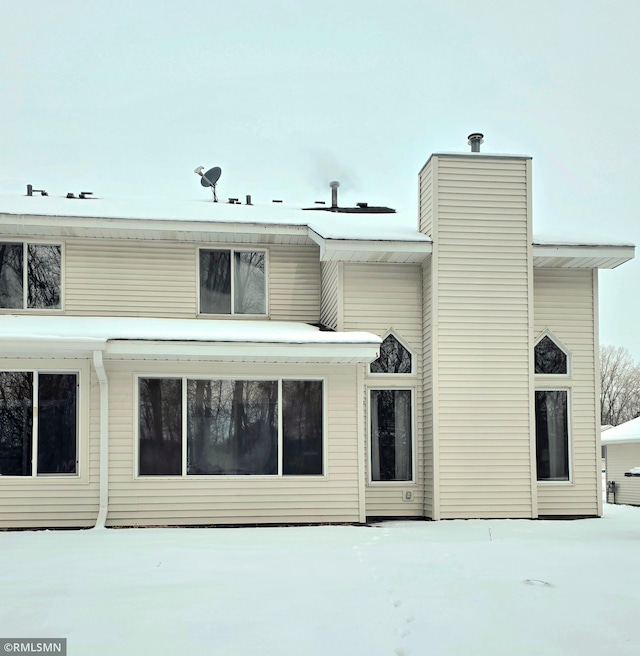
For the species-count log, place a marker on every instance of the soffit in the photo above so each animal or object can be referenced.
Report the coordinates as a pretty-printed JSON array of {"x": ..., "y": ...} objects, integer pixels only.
[{"x": 548, "y": 256}]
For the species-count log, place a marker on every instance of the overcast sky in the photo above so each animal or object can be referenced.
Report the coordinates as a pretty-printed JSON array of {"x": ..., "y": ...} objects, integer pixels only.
[{"x": 127, "y": 98}]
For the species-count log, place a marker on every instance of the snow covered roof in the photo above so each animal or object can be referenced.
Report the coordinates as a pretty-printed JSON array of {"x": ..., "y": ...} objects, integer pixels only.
[
  {"x": 233, "y": 339},
  {"x": 342, "y": 237},
  {"x": 329, "y": 225},
  {"x": 624, "y": 433}
]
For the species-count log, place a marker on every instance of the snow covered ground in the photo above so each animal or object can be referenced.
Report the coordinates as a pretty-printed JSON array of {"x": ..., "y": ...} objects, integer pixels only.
[{"x": 504, "y": 587}]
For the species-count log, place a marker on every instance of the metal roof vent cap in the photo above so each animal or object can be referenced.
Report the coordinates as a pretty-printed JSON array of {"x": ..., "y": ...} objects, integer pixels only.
[
  {"x": 334, "y": 193},
  {"x": 474, "y": 140}
]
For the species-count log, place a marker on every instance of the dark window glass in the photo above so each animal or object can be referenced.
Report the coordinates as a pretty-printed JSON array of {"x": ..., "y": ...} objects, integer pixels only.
[
  {"x": 394, "y": 358},
  {"x": 552, "y": 436},
  {"x": 391, "y": 435},
  {"x": 43, "y": 269},
  {"x": 11, "y": 290},
  {"x": 550, "y": 358},
  {"x": 215, "y": 282},
  {"x": 249, "y": 283},
  {"x": 302, "y": 427},
  {"x": 16, "y": 423},
  {"x": 160, "y": 431},
  {"x": 57, "y": 430},
  {"x": 232, "y": 427}
]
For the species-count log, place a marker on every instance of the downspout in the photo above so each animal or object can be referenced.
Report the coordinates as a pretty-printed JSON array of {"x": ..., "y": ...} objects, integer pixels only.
[{"x": 101, "y": 373}]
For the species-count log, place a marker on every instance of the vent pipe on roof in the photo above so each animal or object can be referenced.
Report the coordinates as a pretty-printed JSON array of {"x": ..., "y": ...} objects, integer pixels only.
[
  {"x": 474, "y": 140},
  {"x": 31, "y": 191},
  {"x": 334, "y": 193}
]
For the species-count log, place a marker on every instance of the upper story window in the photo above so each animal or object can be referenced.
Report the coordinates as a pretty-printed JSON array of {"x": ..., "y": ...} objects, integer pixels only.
[
  {"x": 30, "y": 276},
  {"x": 394, "y": 358},
  {"x": 233, "y": 281},
  {"x": 549, "y": 357}
]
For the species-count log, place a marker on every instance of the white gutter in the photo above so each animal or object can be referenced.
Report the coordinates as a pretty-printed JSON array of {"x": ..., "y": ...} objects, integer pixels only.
[
  {"x": 354, "y": 352},
  {"x": 101, "y": 373}
]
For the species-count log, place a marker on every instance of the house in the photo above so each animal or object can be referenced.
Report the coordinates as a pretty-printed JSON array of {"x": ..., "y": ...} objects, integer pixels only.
[
  {"x": 622, "y": 455},
  {"x": 206, "y": 363}
]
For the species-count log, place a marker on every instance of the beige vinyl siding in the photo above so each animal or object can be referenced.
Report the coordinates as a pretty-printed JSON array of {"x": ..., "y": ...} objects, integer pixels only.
[
  {"x": 106, "y": 277},
  {"x": 58, "y": 501},
  {"x": 377, "y": 298},
  {"x": 294, "y": 283},
  {"x": 198, "y": 500},
  {"x": 331, "y": 298},
  {"x": 620, "y": 459},
  {"x": 564, "y": 304},
  {"x": 481, "y": 335}
]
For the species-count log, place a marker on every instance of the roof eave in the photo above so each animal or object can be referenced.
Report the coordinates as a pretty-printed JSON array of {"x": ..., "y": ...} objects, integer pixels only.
[
  {"x": 569, "y": 256},
  {"x": 362, "y": 250},
  {"x": 344, "y": 353},
  {"x": 106, "y": 226}
]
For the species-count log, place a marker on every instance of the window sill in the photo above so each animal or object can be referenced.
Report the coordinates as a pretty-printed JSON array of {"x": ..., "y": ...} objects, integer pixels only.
[
  {"x": 31, "y": 311},
  {"x": 43, "y": 479},
  {"x": 254, "y": 317},
  {"x": 233, "y": 477}
]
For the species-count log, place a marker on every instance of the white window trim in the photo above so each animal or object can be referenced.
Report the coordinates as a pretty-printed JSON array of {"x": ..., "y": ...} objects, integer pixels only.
[
  {"x": 393, "y": 484},
  {"x": 25, "y": 278},
  {"x": 391, "y": 376},
  {"x": 80, "y": 475},
  {"x": 228, "y": 477},
  {"x": 548, "y": 333},
  {"x": 551, "y": 388},
  {"x": 233, "y": 250}
]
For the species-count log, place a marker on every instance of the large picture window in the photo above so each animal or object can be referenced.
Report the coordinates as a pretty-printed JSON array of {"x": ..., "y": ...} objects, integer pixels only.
[
  {"x": 38, "y": 423},
  {"x": 391, "y": 435},
  {"x": 30, "y": 276},
  {"x": 233, "y": 282},
  {"x": 192, "y": 427},
  {"x": 232, "y": 427},
  {"x": 552, "y": 435}
]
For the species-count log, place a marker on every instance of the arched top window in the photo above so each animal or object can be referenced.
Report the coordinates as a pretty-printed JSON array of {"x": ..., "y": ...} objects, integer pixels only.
[
  {"x": 549, "y": 357},
  {"x": 394, "y": 358}
]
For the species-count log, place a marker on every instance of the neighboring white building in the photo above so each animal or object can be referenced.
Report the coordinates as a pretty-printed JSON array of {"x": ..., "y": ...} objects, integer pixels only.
[
  {"x": 622, "y": 455},
  {"x": 164, "y": 365}
]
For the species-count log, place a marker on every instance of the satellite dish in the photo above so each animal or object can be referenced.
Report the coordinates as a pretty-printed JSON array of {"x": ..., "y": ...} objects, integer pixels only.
[{"x": 212, "y": 176}]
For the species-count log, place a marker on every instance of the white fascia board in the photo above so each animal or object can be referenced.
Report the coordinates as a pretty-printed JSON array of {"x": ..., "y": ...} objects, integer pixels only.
[
  {"x": 608, "y": 256},
  {"x": 620, "y": 440},
  {"x": 238, "y": 351},
  {"x": 337, "y": 250},
  {"x": 51, "y": 346},
  {"x": 64, "y": 223}
]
